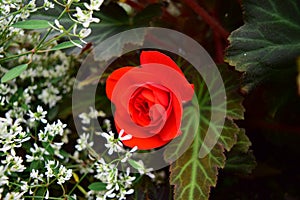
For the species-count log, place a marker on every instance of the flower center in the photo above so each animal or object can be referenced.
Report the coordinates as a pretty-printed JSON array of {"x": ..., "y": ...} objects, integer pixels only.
[{"x": 148, "y": 104}]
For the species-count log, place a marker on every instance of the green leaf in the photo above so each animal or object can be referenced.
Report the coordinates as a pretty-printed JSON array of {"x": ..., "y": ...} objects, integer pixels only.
[
  {"x": 147, "y": 15},
  {"x": 32, "y": 24},
  {"x": 35, "y": 164},
  {"x": 70, "y": 198},
  {"x": 13, "y": 73},
  {"x": 48, "y": 147},
  {"x": 268, "y": 43},
  {"x": 243, "y": 143},
  {"x": 65, "y": 45},
  {"x": 193, "y": 177},
  {"x": 97, "y": 186},
  {"x": 114, "y": 19},
  {"x": 40, "y": 193},
  {"x": 240, "y": 158},
  {"x": 135, "y": 164}
]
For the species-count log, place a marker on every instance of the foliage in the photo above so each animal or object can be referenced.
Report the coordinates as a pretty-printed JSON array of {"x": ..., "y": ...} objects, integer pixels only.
[
  {"x": 267, "y": 45},
  {"x": 43, "y": 43},
  {"x": 191, "y": 175}
]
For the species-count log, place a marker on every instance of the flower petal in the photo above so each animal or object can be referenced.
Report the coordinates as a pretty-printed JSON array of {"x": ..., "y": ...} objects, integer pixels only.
[
  {"x": 144, "y": 143},
  {"x": 171, "y": 128},
  {"x": 113, "y": 79},
  {"x": 148, "y": 57}
]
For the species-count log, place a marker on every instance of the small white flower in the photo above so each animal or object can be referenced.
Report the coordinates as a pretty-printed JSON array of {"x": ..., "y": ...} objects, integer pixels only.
[
  {"x": 142, "y": 170},
  {"x": 47, "y": 194},
  {"x": 34, "y": 174},
  {"x": 57, "y": 128},
  {"x": 50, "y": 95},
  {"x": 95, "y": 5},
  {"x": 93, "y": 114},
  {"x": 50, "y": 166},
  {"x": 113, "y": 145},
  {"x": 82, "y": 142},
  {"x": 13, "y": 195},
  {"x": 3, "y": 177},
  {"x": 56, "y": 146},
  {"x": 107, "y": 124},
  {"x": 60, "y": 172},
  {"x": 128, "y": 154},
  {"x": 38, "y": 153},
  {"x": 24, "y": 186},
  {"x": 85, "y": 119},
  {"x": 85, "y": 17},
  {"x": 14, "y": 162},
  {"x": 83, "y": 33},
  {"x": 31, "y": 6},
  {"x": 126, "y": 179},
  {"x": 57, "y": 26},
  {"x": 38, "y": 116},
  {"x": 48, "y": 5},
  {"x": 123, "y": 138},
  {"x": 63, "y": 175}
]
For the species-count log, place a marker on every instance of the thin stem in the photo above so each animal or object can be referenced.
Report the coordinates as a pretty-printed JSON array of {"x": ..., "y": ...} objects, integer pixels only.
[
  {"x": 75, "y": 186},
  {"x": 41, "y": 197},
  {"x": 8, "y": 25},
  {"x": 57, "y": 2},
  {"x": 15, "y": 56},
  {"x": 44, "y": 38},
  {"x": 213, "y": 23},
  {"x": 49, "y": 31}
]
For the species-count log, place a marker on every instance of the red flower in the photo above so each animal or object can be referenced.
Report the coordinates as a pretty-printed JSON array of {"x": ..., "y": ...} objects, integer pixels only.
[{"x": 148, "y": 100}]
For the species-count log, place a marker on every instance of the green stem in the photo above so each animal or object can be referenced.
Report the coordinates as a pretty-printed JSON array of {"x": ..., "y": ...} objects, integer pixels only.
[
  {"x": 41, "y": 197},
  {"x": 15, "y": 56},
  {"x": 49, "y": 31},
  {"x": 75, "y": 186},
  {"x": 8, "y": 25}
]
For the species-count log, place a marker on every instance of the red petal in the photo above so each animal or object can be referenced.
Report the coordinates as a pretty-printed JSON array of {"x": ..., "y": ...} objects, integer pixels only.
[
  {"x": 148, "y": 57},
  {"x": 171, "y": 128},
  {"x": 143, "y": 143},
  {"x": 113, "y": 79}
]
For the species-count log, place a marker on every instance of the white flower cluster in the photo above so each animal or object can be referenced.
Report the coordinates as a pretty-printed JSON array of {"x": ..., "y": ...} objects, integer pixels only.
[
  {"x": 115, "y": 145},
  {"x": 53, "y": 171},
  {"x": 23, "y": 10},
  {"x": 31, "y": 142},
  {"x": 93, "y": 114},
  {"x": 118, "y": 184},
  {"x": 12, "y": 134},
  {"x": 82, "y": 17},
  {"x": 50, "y": 75},
  {"x": 60, "y": 172},
  {"x": 85, "y": 17}
]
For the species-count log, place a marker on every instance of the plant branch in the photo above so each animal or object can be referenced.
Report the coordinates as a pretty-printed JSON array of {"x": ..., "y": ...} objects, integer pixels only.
[{"x": 213, "y": 23}]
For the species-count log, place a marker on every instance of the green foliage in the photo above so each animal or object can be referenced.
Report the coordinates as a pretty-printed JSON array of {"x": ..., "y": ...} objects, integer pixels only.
[
  {"x": 65, "y": 45},
  {"x": 97, "y": 186},
  {"x": 267, "y": 45},
  {"x": 114, "y": 19},
  {"x": 193, "y": 177},
  {"x": 240, "y": 158},
  {"x": 32, "y": 24},
  {"x": 135, "y": 164},
  {"x": 14, "y": 72}
]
